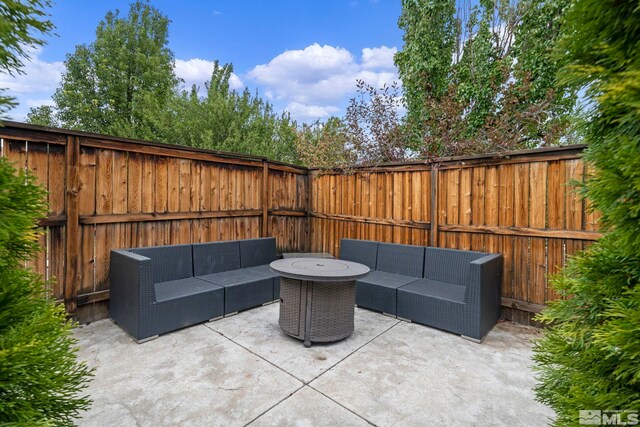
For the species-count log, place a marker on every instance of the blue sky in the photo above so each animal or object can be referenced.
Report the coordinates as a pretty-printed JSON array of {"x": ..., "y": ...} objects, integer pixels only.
[{"x": 303, "y": 56}]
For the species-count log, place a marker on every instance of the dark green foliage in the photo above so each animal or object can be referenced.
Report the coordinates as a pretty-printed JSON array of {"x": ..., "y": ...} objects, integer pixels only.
[
  {"x": 226, "y": 120},
  {"x": 424, "y": 63},
  {"x": 112, "y": 85},
  {"x": 589, "y": 358},
  {"x": 124, "y": 84},
  {"x": 481, "y": 79},
  {"x": 40, "y": 378},
  {"x": 19, "y": 20}
]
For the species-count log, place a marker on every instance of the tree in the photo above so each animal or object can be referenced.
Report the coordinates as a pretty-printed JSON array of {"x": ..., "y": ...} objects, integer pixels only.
[
  {"x": 482, "y": 79},
  {"x": 588, "y": 357},
  {"x": 324, "y": 145},
  {"x": 424, "y": 62},
  {"x": 374, "y": 126},
  {"x": 113, "y": 85},
  {"x": 43, "y": 115},
  {"x": 40, "y": 378},
  {"x": 225, "y": 119},
  {"x": 19, "y": 20}
]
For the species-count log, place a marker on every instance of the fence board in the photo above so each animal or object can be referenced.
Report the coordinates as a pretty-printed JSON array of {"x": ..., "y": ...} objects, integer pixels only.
[{"x": 131, "y": 194}]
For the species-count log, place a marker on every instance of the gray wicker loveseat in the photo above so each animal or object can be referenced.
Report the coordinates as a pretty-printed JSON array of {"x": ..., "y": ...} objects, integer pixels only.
[
  {"x": 457, "y": 291},
  {"x": 159, "y": 289}
]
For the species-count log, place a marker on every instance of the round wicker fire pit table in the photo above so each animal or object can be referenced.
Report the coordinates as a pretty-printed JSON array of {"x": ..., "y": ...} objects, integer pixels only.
[{"x": 317, "y": 297}]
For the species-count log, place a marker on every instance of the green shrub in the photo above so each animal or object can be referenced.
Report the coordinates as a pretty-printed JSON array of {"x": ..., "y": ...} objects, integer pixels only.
[
  {"x": 589, "y": 358},
  {"x": 40, "y": 377}
]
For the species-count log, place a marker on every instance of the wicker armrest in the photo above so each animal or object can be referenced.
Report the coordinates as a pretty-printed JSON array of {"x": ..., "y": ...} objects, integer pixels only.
[
  {"x": 131, "y": 289},
  {"x": 486, "y": 272},
  {"x": 132, "y": 275},
  {"x": 485, "y": 290}
]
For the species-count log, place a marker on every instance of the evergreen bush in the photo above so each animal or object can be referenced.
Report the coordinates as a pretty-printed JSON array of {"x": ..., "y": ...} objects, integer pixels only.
[
  {"x": 40, "y": 377},
  {"x": 589, "y": 357}
]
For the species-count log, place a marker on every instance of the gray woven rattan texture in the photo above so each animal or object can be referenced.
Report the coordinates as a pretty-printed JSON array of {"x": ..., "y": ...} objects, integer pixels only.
[
  {"x": 255, "y": 252},
  {"x": 360, "y": 251},
  {"x": 332, "y": 309},
  {"x": 479, "y": 273},
  {"x": 153, "y": 290},
  {"x": 457, "y": 291},
  {"x": 215, "y": 257}
]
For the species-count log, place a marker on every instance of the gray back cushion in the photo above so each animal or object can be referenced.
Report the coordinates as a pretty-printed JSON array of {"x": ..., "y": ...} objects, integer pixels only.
[
  {"x": 254, "y": 252},
  {"x": 215, "y": 257},
  {"x": 449, "y": 265},
  {"x": 407, "y": 260},
  {"x": 171, "y": 262},
  {"x": 361, "y": 251}
]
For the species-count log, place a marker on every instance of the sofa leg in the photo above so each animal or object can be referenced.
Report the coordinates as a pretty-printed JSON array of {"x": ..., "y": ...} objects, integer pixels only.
[
  {"x": 390, "y": 315},
  {"x": 231, "y": 314},
  {"x": 403, "y": 319},
  {"x": 144, "y": 340},
  {"x": 215, "y": 318},
  {"x": 475, "y": 340}
]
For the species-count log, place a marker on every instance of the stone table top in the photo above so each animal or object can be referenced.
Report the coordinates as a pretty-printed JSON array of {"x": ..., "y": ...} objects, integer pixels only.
[{"x": 319, "y": 269}]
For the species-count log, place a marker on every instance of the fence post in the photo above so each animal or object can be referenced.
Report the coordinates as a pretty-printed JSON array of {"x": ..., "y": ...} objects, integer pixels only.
[
  {"x": 72, "y": 249},
  {"x": 265, "y": 198},
  {"x": 433, "y": 233}
]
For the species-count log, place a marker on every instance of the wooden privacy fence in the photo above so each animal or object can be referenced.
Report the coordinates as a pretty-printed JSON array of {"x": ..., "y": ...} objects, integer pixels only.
[
  {"x": 520, "y": 205},
  {"x": 106, "y": 193}
]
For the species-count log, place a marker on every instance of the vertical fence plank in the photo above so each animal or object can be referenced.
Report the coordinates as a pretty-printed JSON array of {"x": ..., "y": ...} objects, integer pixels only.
[
  {"x": 173, "y": 185},
  {"x": 506, "y": 219},
  {"x": 71, "y": 277},
  {"x": 538, "y": 208},
  {"x": 265, "y": 200}
]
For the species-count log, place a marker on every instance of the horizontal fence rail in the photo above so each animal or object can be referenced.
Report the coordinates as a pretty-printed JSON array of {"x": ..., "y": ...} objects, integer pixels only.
[
  {"x": 522, "y": 205},
  {"x": 107, "y": 193}
]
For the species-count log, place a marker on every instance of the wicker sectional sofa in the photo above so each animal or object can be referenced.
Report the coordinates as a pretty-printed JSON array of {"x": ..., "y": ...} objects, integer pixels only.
[
  {"x": 159, "y": 289},
  {"x": 457, "y": 291}
]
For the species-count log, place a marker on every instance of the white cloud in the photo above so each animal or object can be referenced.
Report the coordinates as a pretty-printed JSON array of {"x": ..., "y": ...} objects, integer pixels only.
[
  {"x": 198, "y": 71},
  {"x": 378, "y": 57},
  {"x": 310, "y": 112},
  {"x": 39, "y": 102},
  {"x": 35, "y": 86},
  {"x": 38, "y": 76},
  {"x": 315, "y": 80}
]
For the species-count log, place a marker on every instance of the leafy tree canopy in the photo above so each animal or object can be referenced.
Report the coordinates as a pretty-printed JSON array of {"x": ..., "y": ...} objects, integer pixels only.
[
  {"x": 22, "y": 25},
  {"x": 225, "y": 119},
  {"x": 481, "y": 78},
  {"x": 111, "y": 85},
  {"x": 124, "y": 84}
]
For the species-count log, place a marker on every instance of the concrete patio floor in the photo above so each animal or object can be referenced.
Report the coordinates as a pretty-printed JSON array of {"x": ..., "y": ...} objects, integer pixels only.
[{"x": 243, "y": 370}]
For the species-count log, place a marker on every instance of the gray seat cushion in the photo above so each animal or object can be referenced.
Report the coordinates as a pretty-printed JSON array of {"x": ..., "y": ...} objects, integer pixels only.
[
  {"x": 215, "y": 257},
  {"x": 254, "y": 252},
  {"x": 243, "y": 289},
  {"x": 387, "y": 280},
  {"x": 360, "y": 251},
  {"x": 174, "y": 289},
  {"x": 407, "y": 260},
  {"x": 262, "y": 269},
  {"x": 170, "y": 262},
  {"x": 234, "y": 277},
  {"x": 436, "y": 289},
  {"x": 377, "y": 290},
  {"x": 449, "y": 265}
]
